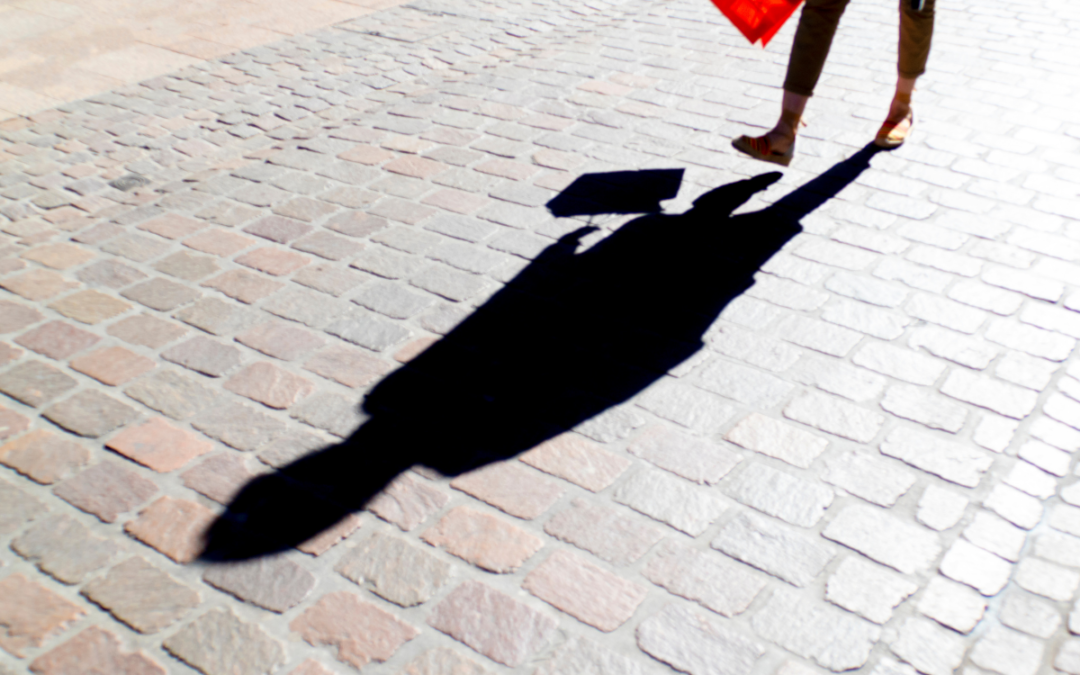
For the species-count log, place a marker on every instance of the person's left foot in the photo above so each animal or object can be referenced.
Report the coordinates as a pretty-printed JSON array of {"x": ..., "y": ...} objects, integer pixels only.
[{"x": 898, "y": 124}]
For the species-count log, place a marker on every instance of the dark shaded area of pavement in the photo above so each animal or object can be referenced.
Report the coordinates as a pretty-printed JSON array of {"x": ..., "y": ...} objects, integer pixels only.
[{"x": 571, "y": 336}]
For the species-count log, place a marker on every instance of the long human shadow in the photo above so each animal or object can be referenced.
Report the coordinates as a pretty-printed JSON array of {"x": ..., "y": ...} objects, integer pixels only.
[{"x": 572, "y": 335}]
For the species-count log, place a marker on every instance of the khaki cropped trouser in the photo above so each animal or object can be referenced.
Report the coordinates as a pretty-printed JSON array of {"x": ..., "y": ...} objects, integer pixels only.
[{"x": 817, "y": 25}]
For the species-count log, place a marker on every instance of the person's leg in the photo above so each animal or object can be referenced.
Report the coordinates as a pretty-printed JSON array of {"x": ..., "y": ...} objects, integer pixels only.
[
  {"x": 916, "y": 32},
  {"x": 813, "y": 38}
]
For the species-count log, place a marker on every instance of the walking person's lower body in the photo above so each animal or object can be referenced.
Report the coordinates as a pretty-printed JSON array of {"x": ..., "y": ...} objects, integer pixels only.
[{"x": 814, "y": 36}]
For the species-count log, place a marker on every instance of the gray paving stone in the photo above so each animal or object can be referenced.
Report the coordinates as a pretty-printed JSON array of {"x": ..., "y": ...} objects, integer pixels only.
[
  {"x": 367, "y": 330},
  {"x": 273, "y": 583},
  {"x": 63, "y": 548},
  {"x": 172, "y": 394},
  {"x": 142, "y": 596},
  {"x": 19, "y": 508},
  {"x": 395, "y": 570},
  {"x": 219, "y": 642}
]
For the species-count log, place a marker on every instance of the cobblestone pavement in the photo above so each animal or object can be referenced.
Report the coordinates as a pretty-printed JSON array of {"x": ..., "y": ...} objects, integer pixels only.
[{"x": 867, "y": 467}]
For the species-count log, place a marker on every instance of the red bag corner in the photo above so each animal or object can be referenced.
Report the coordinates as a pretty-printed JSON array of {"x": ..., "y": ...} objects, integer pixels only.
[{"x": 758, "y": 19}]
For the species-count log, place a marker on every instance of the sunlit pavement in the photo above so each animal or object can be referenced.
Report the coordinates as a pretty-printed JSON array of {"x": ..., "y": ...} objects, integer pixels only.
[{"x": 867, "y": 467}]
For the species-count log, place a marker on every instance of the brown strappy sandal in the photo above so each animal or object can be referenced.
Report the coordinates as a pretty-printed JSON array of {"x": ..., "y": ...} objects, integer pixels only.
[{"x": 893, "y": 134}]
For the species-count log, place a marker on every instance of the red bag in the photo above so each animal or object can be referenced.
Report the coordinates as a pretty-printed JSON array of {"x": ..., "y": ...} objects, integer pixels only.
[{"x": 758, "y": 19}]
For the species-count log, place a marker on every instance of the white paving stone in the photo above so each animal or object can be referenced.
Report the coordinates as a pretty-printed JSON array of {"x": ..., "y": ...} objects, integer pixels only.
[
  {"x": 952, "y": 604},
  {"x": 1029, "y": 614},
  {"x": 869, "y": 590},
  {"x": 903, "y": 364},
  {"x": 686, "y": 507},
  {"x": 864, "y": 475},
  {"x": 883, "y": 537},
  {"x": 939, "y": 508},
  {"x": 779, "y": 494},
  {"x": 780, "y": 550},
  {"x": 1008, "y": 652},
  {"x": 928, "y": 647},
  {"x": 1047, "y": 579},
  {"x": 971, "y": 565},
  {"x": 996, "y": 535},
  {"x": 835, "y": 416},
  {"x": 955, "y": 462},
  {"x": 1015, "y": 506},
  {"x": 777, "y": 439},
  {"x": 693, "y": 642},
  {"x": 706, "y": 577},
  {"x": 815, "y": 630}
]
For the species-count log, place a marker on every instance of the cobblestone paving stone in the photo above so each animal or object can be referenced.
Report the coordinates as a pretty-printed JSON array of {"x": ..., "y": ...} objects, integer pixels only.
[{"x": 869, "y": 467}]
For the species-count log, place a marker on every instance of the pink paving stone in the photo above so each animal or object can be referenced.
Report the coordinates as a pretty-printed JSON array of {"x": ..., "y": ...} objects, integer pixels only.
[
  {"x": 11, "y": 423},
  {"x": 270, "y": 385},
  {"x": 159, "y": 445},
  {"x": 219, "y": 477},
  {"x": 456, "y": 201},
  {"x": 9, "y": 354},
  {"x": 44, "y": 457},
  {"x": 219, "y": 242},
  {"x": 577, "y": 460},
  {"x": 327, "y": 539},
  {"x": 505, "y": 168},
  {"x": 414, "y": 349},
  {"x": 38, "y": 284},
  {"x": 278, "y": 229},
  {"x": 510, "y": 487},
  {"x": 483, "y": 540},
  {"x": 90, "y": 306},
  {"x": 112, "y": 365},
  {"x": 347, "y": 365},
  {"x": 94, "y": 650},
  {"x": 417, "y": 167},
  {"x": 148, "y": 331},
  {"x": 311, "y": 667},
  {"x": 173, "y": 527},
  {"x": 407, "y": 502},
  {"x": 695, "y": 459},
  {"x": 605, "y": 87},
  {"x": 30, "y": 614},
  {"x": 273, "y": 261},
  {"x": 361, "y": 631},
  {"x": 173, "y": 226},
  {"x": 59, "y": 256},
  {"x": 247, "y": 287},
  {"x": 366, "y": 154},
  {"x": 494, "y": 624},
  {"x": 584, "y": 591},
  {"x": 15, "y": 316},
  {"x": 281, "y": 340},
  {"x": 554, "y": 159},
  {"x": 57, "y": 340},
  {"x": 106, "y": 490}
]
